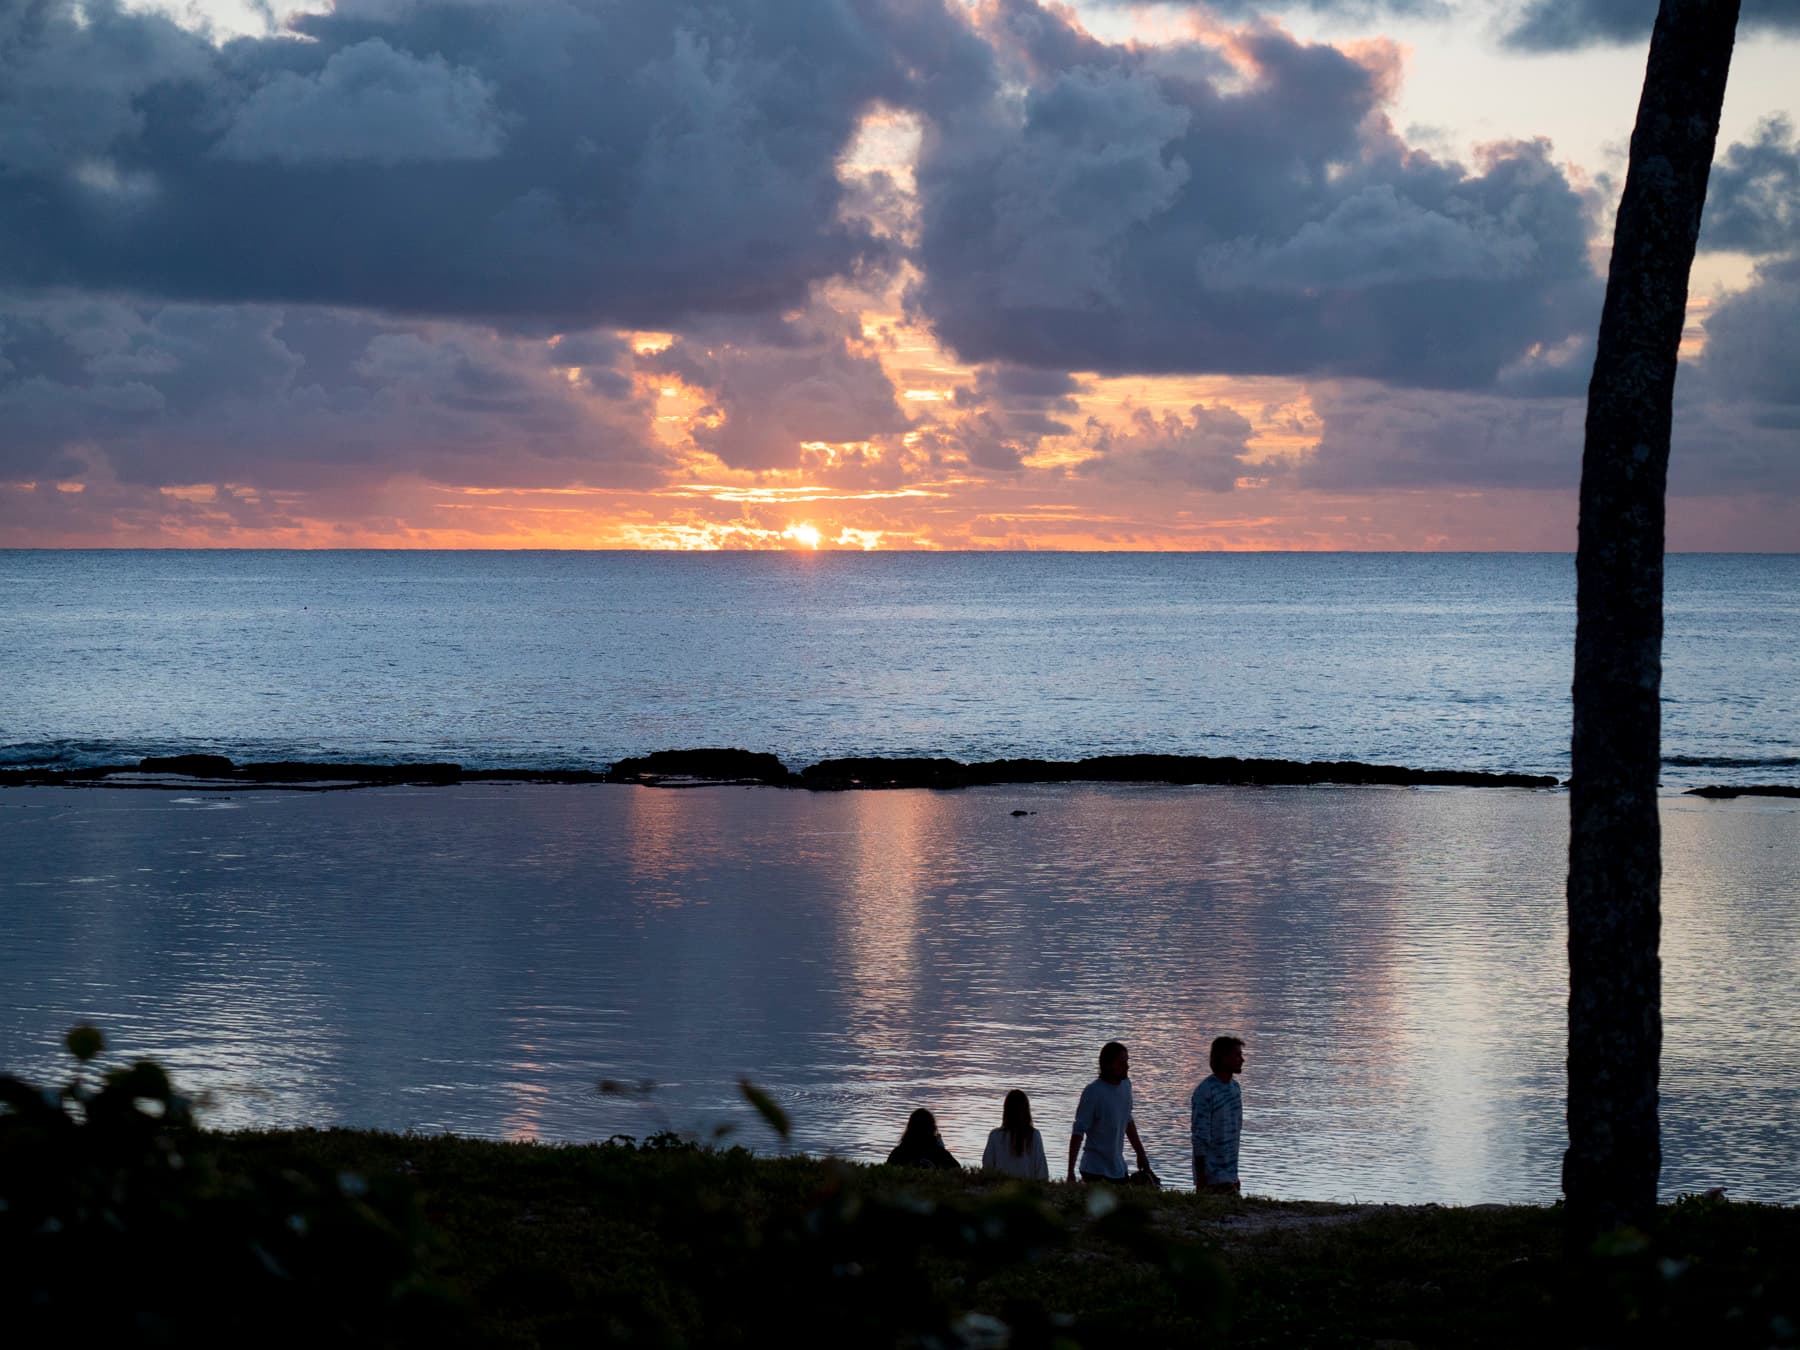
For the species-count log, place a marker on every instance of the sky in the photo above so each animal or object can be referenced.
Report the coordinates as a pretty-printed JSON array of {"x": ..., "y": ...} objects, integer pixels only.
[{"x": 916, "y": 274}]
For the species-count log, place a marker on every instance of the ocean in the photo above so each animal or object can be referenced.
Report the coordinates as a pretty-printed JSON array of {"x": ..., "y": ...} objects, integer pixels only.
[
  {"x": 540, "y": 660},
  {"x": 479, "y": 958}
]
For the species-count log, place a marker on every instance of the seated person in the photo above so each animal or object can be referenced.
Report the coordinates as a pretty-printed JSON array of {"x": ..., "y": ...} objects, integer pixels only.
[
  {"x": 1015, "y": 1148},
  {"x": 920, "y": 1145}
]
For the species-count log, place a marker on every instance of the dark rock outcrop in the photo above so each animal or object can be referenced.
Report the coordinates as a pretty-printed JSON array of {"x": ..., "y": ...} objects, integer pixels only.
[
  {"x": 304, "y": 771},
  {"x": 216, "y": 771},
  {"x": 690, "y": 768},
  {"x": 51, "y": 777},
  {"x": 188, "y": 766},
  {"x": 1727, "y": 790},
  {"x": 679, "y": 768},
  {"x": 839, "y": 774}
]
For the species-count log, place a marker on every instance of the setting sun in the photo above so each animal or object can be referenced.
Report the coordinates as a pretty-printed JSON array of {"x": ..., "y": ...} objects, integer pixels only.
[{"x": 807, "y": 536}]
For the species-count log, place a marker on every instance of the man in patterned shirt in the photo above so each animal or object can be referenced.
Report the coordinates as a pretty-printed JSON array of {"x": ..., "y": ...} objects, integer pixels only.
[{"x": 1218, "y": 1119}]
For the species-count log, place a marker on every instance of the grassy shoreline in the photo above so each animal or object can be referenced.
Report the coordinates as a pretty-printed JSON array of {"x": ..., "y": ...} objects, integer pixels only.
[{"x": 674, "y": 1246}]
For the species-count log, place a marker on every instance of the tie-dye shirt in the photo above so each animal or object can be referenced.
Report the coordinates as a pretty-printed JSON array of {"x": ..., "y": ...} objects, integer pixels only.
[{"x": 1218, "y": 1120}]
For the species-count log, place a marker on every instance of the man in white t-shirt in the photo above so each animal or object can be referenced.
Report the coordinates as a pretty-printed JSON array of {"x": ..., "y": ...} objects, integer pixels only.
[{"x": 1103, "y": 1120}]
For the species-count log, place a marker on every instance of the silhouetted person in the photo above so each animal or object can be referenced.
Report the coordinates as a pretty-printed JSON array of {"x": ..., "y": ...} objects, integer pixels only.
[
  {"x": 1218, "y": 1118},
  {"x": 1103, "y": 1120},
  {"x": 920, "y": 1146},
  {"x": 1015, "y": 1148}
]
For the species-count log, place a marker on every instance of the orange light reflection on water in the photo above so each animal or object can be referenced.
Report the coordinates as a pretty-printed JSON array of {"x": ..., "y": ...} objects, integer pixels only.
[{"x": 1393, "y": 958}]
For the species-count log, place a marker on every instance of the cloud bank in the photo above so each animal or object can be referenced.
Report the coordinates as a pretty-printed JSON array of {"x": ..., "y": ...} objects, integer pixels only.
[
  {"x": 1120, "y": 209},
  {"x": 1557, "y": 25},
  {"x": 555, "y": 163},
  {"x": 963, "y": 274}
]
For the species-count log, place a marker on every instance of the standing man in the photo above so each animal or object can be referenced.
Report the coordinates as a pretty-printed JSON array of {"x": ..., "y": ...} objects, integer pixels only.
[
  {"x": 1218, "y": 1119},
  {"x": 1104, "y": 1119}
]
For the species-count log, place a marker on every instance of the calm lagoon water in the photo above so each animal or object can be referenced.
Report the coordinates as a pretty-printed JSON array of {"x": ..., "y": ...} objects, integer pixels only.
[{"x": 476, "y": 958}]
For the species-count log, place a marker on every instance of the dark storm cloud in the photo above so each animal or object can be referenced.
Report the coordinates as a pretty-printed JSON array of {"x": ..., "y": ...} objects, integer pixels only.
[
  {"x": 1556, "y": 25},
  {"x": 1737, "y": 408},
  {"x": 1203, "y": 450},
  {"x": 1377, "y": 437},
  {"x": 1129, "y": 209},
  {"x": 1359, "y": 11},
  {"x": 171, "y": 394},
  {"x": 368, "y": 103},
  {"x": 1737, "y": 403},
  {"x": 1752, "y": 337},
  {"x": 1736, "y": 426},
  {"x": 1029, "y": 404},
  {"x": 1753, "y": 194},
  {"x": 572, "y": 161},
  {"x": 1022, "y": 386},
  {"x": 1008, "y": 411},
  {"x": 778, "y": 383}
]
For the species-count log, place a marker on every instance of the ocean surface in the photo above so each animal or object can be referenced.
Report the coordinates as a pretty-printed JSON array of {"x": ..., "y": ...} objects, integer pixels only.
[
  {"x": 478, "y": 958},
  {"x": 1457, "y": 661}
]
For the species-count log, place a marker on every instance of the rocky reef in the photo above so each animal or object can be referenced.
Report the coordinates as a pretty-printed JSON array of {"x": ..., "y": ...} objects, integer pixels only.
[
  {"x": 1728, "y": 790},
  {"x": 1173, "y": 769},
  {"x": 724, "y": 766}
]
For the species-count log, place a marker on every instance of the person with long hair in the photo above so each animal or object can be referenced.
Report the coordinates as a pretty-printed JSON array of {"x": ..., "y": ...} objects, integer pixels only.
[
  {"x": 1015, "y": 1148},
  {"x": 920, "y": 1145}
]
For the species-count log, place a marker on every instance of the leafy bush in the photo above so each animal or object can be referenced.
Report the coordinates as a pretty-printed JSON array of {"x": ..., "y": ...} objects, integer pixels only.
[{"x": 118, "y": 1219}]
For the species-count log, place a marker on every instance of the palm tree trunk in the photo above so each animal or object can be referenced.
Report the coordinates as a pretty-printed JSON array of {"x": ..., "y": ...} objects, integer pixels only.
[{"x": 1615, "y": 856}]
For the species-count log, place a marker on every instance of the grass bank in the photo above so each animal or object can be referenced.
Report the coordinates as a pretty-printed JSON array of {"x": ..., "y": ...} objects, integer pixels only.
[{"x": 673, "y": 1246}]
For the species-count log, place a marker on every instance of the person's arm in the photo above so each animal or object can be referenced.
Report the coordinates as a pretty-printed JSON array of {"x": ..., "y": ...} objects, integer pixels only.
[
  {"x": 1137, "y": 1144},
  {"x": 1084, "y": 1121},
  {"x": 1040, "y": 1165},
  {"x": 990, "y": 1156},
  {"x": 1231, "y": 1133}
]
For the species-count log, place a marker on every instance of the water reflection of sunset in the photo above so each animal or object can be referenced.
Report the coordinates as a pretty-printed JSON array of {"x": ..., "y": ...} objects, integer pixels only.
[
  {"x": 881, "y": 941},
  {"x": 530, "y": 1095},
  {"x": 657, "y": 847},
  {"x": 1392, "y": 957}
]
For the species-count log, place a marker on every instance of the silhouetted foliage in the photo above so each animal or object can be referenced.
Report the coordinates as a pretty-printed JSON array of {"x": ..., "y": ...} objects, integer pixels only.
[
  {"x": 867, "y": 1257},
  {"x": 120, "y": 1220},
  {"x": 116, "y": 1218},
  {"x": 668, "y": 1242},
  {"x": 766, "y": 1107}
]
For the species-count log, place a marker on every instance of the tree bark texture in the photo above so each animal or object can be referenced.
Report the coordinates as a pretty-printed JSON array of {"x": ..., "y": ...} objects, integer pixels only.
[{"x": 1615, "y": 856}]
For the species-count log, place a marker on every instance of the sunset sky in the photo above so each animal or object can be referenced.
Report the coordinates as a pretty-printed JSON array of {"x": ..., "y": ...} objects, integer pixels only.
[{"x": 860, "y": 274}]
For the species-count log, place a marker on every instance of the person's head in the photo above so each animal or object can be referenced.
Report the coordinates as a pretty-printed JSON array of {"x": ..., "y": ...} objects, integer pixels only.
[
  {"x": 1015, "y": 1119},
  {"x": 1115, "y": 1062},
  {"x": 921, "y": 1128},
  {"x": 1227, "y": 1056}
]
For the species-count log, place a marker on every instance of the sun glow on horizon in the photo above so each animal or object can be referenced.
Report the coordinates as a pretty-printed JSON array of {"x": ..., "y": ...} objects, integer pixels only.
[{"x": 807, "y": 536}]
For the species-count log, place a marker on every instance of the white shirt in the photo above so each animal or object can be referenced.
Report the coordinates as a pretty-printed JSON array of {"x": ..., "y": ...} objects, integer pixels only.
[
  {"x": 1102, "y": 1116},
  {"x": 1031, "y": 1164}
]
